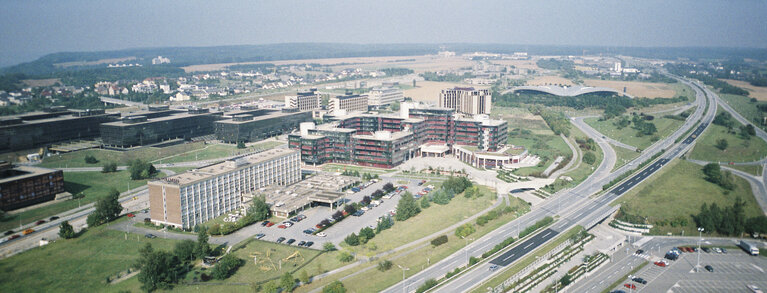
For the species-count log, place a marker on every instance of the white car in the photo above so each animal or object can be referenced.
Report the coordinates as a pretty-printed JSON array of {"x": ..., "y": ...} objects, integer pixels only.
[
  {"x": 754, "y": 288},
  {"x": 321, "y": 234},
  {"x": 364, "y": 208}
]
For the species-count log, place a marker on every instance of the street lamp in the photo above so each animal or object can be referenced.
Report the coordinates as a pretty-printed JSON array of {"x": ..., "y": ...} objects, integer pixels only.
[
  {"x": 403, "y": 276},
  {"x": 700, "y": 237},
  {"x": 465, "y": 248}
]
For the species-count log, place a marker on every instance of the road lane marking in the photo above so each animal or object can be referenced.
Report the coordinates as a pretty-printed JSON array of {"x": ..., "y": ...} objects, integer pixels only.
[
  {"x": 510, "y": 256},
  {"x": 527, "y": 246}
]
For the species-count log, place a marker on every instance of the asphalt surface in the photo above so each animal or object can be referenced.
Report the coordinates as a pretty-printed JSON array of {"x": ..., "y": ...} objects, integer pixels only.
[
  {"x": 579, "y": 208},
  {"x": 523, "y": 248}
]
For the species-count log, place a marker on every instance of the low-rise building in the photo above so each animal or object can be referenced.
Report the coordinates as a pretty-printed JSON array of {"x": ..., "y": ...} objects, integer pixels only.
[
  {"x": 56, "y": 124},
  {"x": 248, "y": 127},
  {"x": 22, "y": 186},
  {"x": 199, "y": 195},
  {"x": 384, "y": 96},
  {"x": 304, "y": 101}
]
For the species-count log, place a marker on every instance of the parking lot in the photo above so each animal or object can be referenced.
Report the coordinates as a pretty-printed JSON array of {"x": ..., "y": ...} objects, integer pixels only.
[
  {"x": 732, "y": 272},
  {"x": 337, "y": 232}
]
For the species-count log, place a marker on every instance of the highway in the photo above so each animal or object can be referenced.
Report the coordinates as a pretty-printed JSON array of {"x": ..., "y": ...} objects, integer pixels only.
[{"x": 579, "y": 208}]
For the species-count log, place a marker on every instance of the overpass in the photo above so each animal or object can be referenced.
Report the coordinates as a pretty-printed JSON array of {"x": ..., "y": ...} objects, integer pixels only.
[
  {"x": 564, "y": 91},
  {"x": 107, "y": 100}
]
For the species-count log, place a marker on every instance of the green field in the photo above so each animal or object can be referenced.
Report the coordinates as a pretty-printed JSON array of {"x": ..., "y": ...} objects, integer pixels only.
[
  {"x": 738, "y": 150},
  {"x": 679, "y": 189},
  {"x": 755, "y": 170},
  {"x": 583, "y": 171},
  {"x": 77, "y": 159},
  {"x": 76, "y": 265},
  {"x": 629, "y": 136},
  {"x": 745, "y": 108},
  {"x": 623, "y": 156},
  {"x": 215, "y": 151},
  {"x": 93, "y": 185}
]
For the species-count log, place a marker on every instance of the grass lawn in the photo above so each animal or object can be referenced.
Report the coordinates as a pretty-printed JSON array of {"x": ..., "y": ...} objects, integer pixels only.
[
  {"x": 628, "y": 135},
  {"x": 623, "y": 156},
  {"x": 214, "y": 151},
  {"x": 545, "y": 146},
  {"x": 374, "y": 280},
  {"x": 76, "y": 265},
  {"x": 527, "y": 260},
  {"x": 77, "y": 159},
  {"x": 341, "y": 167},
  {"x": 738, "y": 150},
  {"x": 679, "y": 189},
  {"x": 93, "y": 186},
  {"x": 744, "y": 107},
  {"x": 583, "y": 171},
  {"x": 755, "y": 170}
]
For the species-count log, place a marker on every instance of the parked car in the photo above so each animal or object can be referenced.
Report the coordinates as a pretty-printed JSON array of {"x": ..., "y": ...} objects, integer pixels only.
[
  {"x": 309, "y": 244},
  {"x": 282, "y": 226},
  {"x": 28, "y": 231},
  {"x": 3, "y": 240},
  {"x": 260, "y": 235},
  {"x": 365, "y": 208},
  {"x": 639, "y": 280},
  {"x": 706, "y": 249},
  {"x": 321, "y": 234},
  {"x": 617, "y": 291},
  {"x": 290, "y": 241},
  {"x": 717, "y": 250},
  {"x": 40, "y": 222},
  {"x": 14, "y": 236},
  {"x": 660, "y": 263},
  {"x": 269, "y": 224},
  {"x": 301, "y": 217},
  {"x": 301, "y": 243},
  {"x": 639, "y": 251},
  {"x": 54, "y": 218},
  {"x": 358, "y": 213},
  {"x": 492, "y": 268},
  {"x": 279, "y": 240},
  {"x": 630, "y": 286},
  {"x": 709, "y": 268},
  {"x": 150, "y": 236},
  {"x": 308, "y": 231},
  {"x": 264, "y": 223},
  {"x": 724, "y": 250},
  {"x": 9, "y": 232}
]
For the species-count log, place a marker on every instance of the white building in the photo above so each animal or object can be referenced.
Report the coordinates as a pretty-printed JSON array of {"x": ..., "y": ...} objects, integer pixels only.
[
  {"x": 617, "y": 67},
  {"x": 160, "y": 60},
  {"x": 466, "y": 100},
  {"x": 196, "y": 196},
  {"x": 348, "y": 103},
  {"x": 382, "y": 96},
  {"x": 304, "y": 101}
]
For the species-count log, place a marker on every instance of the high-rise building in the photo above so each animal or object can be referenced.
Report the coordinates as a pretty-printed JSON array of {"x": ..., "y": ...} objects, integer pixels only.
[
  {"x": 349, "y": 103},
  {"x": 382, "y": 96},
  {"x": 193, "y": 197},
  {"x": 617, "y": 67},
  {"x": 466, "y": 100},
  {"x": 304, "y": 101}
]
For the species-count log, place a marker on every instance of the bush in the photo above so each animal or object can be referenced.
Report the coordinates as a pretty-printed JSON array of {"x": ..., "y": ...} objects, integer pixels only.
[
  {"x": 498, "y": 247},
  {"x": 427, "y": 285},
  {"x": 345, "y": 256},
  {"x": 384, "y": 265},
  {"x": 589, "y": 158},
  {"x": 439, "y": 240},
  {"x": 109, "y": 168},
  {"x": 335, "y": 287},
  {"x": 66, "y": 231},
  {"x": 452, "y": 273},
  {"x": 366, "y": 234},
  {"x": 90, "y": 159},
  {"x": 425, "y": 202},
  {"x": 226, "y": 266},
  {"x": 541, "y": 223},
  {"x": 352, "y": 240},
  {"x": 465, "y": 230}
]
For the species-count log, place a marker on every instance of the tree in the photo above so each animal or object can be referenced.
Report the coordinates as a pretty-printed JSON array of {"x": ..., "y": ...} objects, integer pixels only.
[
  {"x": 304, "y": 277},
  {"x": 91, "y": 159},
  {"x": 240, "y": 144},
  {"x": 328, "y": 246},
  {"x": 352, "y": 240},
  {"x": 335, "y": 287},
  {"x": 721, "y": 144},
  {"x": 66, "y": 231},
  {"x": 395, "y": 106},
  {"x": 425, "y": 202},
  {"x": 141, "y": 170},
  {"x": 384, "y": 265},
  {"x": 366, "y": 234},
  {"x": 202, "y": 249},
  {"x": 388, "y": 187},
  {"x": 589, "y": 158},
  {"x": 350, "y": 209},
  {"x": 345, "y": 256},
  {"x": 465, "y": 230},
  {"x": 107, "y": 209},
  {"x": 287, "y": 282},
  {"x": 407, "y": 207},
  {"x": 185, "y": 250},
  {"x": 226, "y": 266},
  {"x": 159, "y": 269},
  {"x": 259, "y": 208},
  {"x": 271, "y": 287}
]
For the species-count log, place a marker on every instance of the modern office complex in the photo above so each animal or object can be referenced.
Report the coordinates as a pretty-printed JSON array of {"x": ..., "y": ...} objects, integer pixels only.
[
  {"x": 193, "y": 197},
  {"x": 348, "y": 103},
  {"x": 386, "y": 141},
  {"x": 383, "y": 96},
  {"x": 304, "y": 101},
  {"x": 466, "y": 100},
  {"x": 56, "y": 124},
  {"x": 249, "y": 127},
  {"x": 23, "y": 186},
  {"x": 158, "y": 125}
]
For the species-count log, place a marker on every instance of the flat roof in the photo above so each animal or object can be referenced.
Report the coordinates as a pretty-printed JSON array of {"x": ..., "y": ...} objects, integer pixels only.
[
  {"x": 173, "y": 116},
  {"x": 322, "y": 187},
  {"x": 220, "y": 168},
  {"x": 392, "y": 136},
  {"x": 26, "y": 172},
  {"x": 276, "y": 114}
]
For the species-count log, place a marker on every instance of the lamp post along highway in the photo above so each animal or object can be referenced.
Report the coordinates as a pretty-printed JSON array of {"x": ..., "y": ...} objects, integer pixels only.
[
  {"x": 466, "y": 248},
  {"x": 700, "y": 237},
  {"x": 403, "y": 277}
]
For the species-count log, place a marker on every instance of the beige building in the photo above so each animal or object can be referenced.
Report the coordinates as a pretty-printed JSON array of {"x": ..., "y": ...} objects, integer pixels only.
[
  {"x": 382, "y": 96},
  {"x": 304, "y": 101},
  {"x": 198, "y": 195},
  {"x": 466, "y": 100},
  {"x": 350, "y": 103}
]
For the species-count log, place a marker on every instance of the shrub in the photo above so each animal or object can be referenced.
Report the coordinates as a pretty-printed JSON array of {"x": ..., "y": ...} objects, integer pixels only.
[
  {"x": 89, "y": 159},
  {"x": 352, "y": 240},
  {"x": 345, "y": 256},
  {"x": 427, "y": 285},
  {"x": 384, "y": 265},
  {"x": 465, "y": 230},
  {"x": 439, "y": 240}
]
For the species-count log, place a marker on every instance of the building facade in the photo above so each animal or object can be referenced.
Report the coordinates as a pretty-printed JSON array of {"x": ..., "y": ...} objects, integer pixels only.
[
  {"x": 304, "y": 101},
  {"x": 23, "y": 186},
  {"x": 196, "y": 196},
  {"x": 384, "y": 96},
  {"x": 248, "y": 128},
  {"x": 348, "y": 103},
  {"x": 148, "y": 128},
  {"x": 466, "y": 100},
  {"x": 55, "y": 125}
]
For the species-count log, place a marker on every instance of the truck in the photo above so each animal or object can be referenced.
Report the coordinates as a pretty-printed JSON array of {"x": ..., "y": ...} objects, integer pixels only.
[{"x": 749, "y": 248}]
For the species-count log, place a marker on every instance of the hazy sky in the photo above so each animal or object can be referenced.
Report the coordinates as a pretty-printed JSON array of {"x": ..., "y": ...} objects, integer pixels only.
[{"x": 29, "y": 29}]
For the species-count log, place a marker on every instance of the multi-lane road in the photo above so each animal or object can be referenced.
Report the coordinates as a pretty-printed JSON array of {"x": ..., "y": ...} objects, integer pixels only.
[{"x": 579, "y": 209}]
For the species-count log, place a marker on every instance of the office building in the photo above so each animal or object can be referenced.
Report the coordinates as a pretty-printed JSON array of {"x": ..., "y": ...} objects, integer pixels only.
[
  {"x": 466, "y": 100},
  {"x": 23, "y": 186},
  {"x": 158, "y": 125},
  {"x": 196, "y": 196},
  {"x": 348, "y": 103},
  {"x": 384, "y": 96},
  {"x": 249, "y": 127},
  {"x": 55, "y": 124},
  {"x": 304, "y": 101}
]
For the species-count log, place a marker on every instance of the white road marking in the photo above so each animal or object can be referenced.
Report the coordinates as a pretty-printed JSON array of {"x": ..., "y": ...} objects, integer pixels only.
[{"x": 510, "y": 256}]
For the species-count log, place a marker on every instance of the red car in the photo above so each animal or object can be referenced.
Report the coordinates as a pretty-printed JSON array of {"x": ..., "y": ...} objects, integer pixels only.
[
  {"x": 270, "y": 224},
  {"x": 39, "y": 222},
  {"x": 130, "y": 215},
  {"x": 282, "y": 226},
  {"x": 660, "y": 263},
  {"x": 14, "y": 237},
  {"x": 630, "y": 286}
]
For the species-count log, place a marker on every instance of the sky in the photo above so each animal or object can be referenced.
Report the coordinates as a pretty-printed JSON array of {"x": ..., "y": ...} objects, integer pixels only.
[{"x": 32, "y": 28}]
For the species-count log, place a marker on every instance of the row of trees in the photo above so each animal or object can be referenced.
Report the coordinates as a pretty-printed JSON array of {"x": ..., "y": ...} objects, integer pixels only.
[
  {"x": 557, "y": 121},
  {"x": 714, "y": 174},
  {"x": 258, "y": 211},
  {"x": 162, "y": 269},
  {"x": 730, "y": 220},
  {"x": 108, "y": 209}
]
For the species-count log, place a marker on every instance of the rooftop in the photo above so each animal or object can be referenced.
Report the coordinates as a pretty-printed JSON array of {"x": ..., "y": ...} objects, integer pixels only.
[
  {"x": 275, "y": 114},
  {"x": 158, "y": 119},
  {"x": 322, "y": 187},
  {"x": 20, "y": 172},
  {"x": 217, "y": 169}
]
